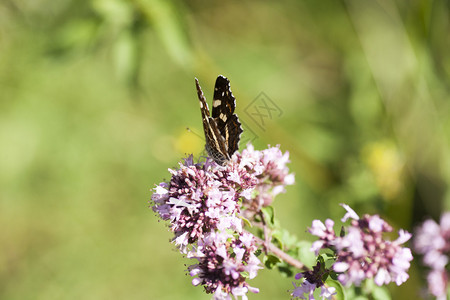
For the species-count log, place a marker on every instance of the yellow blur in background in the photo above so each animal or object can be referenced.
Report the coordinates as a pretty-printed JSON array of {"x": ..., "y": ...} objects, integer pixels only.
[{"x": 96, "y": 96}]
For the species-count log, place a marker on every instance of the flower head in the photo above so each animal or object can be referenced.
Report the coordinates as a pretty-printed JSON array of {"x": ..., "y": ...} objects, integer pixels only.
[
  {"x": 312, "y": 280},
  {"x": 197, "y": 201},
  {"x": 269, "y": 168},
  {"x": 432, "y": 240},
  {"x": 204, "y": 203},
  {"x": 325, "y": 232},
  {"x": 363, "y": 252},
  {"x": 221, "y": 262},
  {"x": 306, "y": 289}
]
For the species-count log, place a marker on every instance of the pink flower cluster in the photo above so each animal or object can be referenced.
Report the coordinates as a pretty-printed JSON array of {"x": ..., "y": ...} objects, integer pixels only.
[
  {"x": 222, "y": 259},
  {"x": 312, "y": 280},
  {"x": 433, "y": 241},
  {"x": 363, "y": 252},
  {"x": 204, "y": 203},
  {"x": 269, "y": 167},
  {"x": 360, "y": 254}
]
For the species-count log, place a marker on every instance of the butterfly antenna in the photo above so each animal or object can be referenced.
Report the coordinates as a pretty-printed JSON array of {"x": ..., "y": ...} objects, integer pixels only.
[{"x": 194, "y": 133}]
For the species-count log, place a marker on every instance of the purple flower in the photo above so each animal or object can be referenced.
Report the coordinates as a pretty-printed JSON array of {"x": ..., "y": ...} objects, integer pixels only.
[
  {"x": 222, "y": 259},
  {"x": 325, "y": 232},
  {"x": 269, "y": 167},
  {"x": 312, "y": 280},
  {"x": 437, "y": 283},
  {"x": 197, "y": 201},
  {"x": 350, "y": 213},
  {"x": 306, "y": 287},
  {"x": 204, "y": 204},
  {"x": 433, "y": 241},
  {"x": 204, "y": 197},
  {"x": 327, "y": 292},
  {"x": 363, "y": 252},
  {"x": 306, "y": 290}
]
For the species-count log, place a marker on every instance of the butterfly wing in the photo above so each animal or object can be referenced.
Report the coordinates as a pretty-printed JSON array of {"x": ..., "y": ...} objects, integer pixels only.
[
  {"x": 215, "y": 141},
  {"x": 227, "y": 121}
]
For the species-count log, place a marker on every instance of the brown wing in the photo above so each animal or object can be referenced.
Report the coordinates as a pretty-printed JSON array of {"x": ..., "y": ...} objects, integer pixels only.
[
  {"x": 215, "y": 143},
  {"x": 227, "y": 121}
]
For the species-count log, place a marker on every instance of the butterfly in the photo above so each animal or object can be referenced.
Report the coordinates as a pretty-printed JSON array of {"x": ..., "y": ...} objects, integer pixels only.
[{"x": 222, "y": 128}]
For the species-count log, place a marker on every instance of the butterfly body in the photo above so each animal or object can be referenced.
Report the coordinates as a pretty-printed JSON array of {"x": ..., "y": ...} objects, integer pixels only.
[{"x": 222, "y": 127}]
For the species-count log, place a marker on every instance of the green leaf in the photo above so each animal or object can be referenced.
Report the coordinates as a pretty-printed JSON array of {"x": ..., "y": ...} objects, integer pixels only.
[
  {"x": 285, "y": 238},
  {"x": 247, "y": 222},
  {"x": 285, "y": 270},
  {"x": 328, "y": 259},
  {"x": 269, "y": 215},
  {"x": 277, "y": 242},
  {"x": 259, "y": 233},
  {"x": 302, "y": 252},
  {"x": 380, "y": 293},
  {"x": 340, "y": 292},
  {"x": 270, "y": 261},
  {"x": 377, "y": 292},
  {"x": 321, "y": 259},
  {"x": 333, "y": 275}
]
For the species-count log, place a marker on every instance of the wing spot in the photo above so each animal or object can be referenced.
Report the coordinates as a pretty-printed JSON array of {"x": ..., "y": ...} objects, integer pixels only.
[
  {"x": 223, "y": 93},
  {"x": 201, "y": 104},
  {"x": 217, "y": 103},
  {"x": 223, "y": 117},
  {"x": 226, "y": 136}
]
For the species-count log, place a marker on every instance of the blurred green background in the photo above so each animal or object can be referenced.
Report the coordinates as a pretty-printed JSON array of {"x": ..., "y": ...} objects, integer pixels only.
[{"x": 95, "y": 98}]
